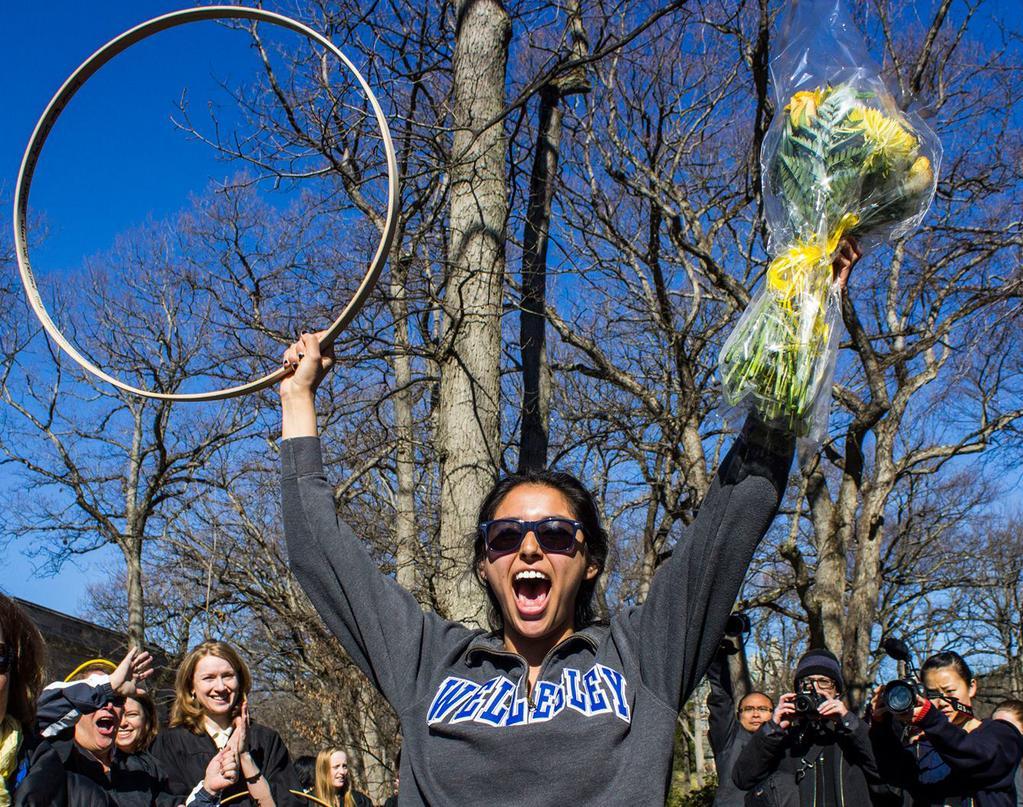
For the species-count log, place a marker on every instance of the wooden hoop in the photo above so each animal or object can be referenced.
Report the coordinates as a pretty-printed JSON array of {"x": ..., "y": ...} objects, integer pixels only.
[
  {"x": 75, "y": 82},
  {"x": 299, "y": 793}
]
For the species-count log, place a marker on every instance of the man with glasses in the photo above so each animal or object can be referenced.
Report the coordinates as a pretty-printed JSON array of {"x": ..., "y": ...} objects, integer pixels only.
[
  {"x": 731, "y": 727},
  {"x": 813, "y": 751}
]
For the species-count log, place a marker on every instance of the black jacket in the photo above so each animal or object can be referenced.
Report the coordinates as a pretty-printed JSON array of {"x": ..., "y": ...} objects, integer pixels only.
[
  {"x": 135, "y": 780},
  {"x": 950, "y": 762},
  {"x": 826, "y": 765},
  {"x": 184, "y": 756},
  {"x": 40, "y": 780},
  {"x": 727, "y": 736}
]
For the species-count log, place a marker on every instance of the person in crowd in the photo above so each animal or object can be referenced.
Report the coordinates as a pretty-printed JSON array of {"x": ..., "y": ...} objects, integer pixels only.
[
  {"x": 1011, "y": 711},
  {"x": 334, "y": 780},
  {"x": 305, "y": 772},
  {"x": 392, "y": 800},
  {"x": 939, "y": 752},
  {"x": 731, "y": 727},
  {"x": 139, "y": 724},
  {"x": 21, "y": 678},
  {"x": 549, "y": 683},
  {"x": 209, "y": 715},
  {"x": 814, "y": 750},
  {"x": 80, "y": 719}
]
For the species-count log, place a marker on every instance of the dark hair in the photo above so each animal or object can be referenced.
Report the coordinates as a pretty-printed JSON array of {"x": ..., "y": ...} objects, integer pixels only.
[
  {"x": 584, "y": 508},
  {"x": 25, "y": 678},
  {"x": 305, "y": 767},
  {"x": 152, "y": 728},
  {"x": 750, "y": 694},
  {"x": 948, "y": 658}
]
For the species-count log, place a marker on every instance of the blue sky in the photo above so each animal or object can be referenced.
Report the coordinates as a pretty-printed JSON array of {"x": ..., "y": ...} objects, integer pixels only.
[{"x": 113, "y": 161}]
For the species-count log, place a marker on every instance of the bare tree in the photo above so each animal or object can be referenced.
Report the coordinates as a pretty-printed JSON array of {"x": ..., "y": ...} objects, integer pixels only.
[{"x": 104, "y": 467}]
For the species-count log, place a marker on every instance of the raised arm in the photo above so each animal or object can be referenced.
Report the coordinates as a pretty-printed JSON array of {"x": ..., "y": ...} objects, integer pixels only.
[
  {"x": 723, "y": 724},
  {"x": 987, "y": 754},
  {"x": 62, "y": 703},
  {"x": 380, "y": 624},
  {"x": 678, "y": 628}
]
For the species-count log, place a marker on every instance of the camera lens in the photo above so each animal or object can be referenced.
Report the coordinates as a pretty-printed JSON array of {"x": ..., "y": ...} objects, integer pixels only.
[
  {"x": 804, "y": 704},
  {"x": 737, "y": 624},
  {"x": 899, "y": 696}
]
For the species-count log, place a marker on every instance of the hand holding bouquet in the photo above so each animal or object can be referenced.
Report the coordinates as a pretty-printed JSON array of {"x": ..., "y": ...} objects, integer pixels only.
[{"x": 841, "y": 162}]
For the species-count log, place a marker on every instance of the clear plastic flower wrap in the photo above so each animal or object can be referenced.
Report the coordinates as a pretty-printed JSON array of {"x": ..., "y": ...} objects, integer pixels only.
[{"x": 841, "y": 160}]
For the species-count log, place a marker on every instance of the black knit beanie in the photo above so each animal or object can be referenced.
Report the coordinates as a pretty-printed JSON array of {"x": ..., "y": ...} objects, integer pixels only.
[{"x": 820, "y": 661}]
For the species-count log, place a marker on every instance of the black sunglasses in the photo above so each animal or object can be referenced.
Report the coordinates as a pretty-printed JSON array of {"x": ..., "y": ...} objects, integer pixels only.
[
  {"x": 504, "y": 535},
  {"x": 6, "y": 659}
]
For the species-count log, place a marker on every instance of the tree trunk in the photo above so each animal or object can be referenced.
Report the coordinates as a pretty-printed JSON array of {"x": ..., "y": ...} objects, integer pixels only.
[
  {"x": 536, "y": 381},
  {"x": 406, "y": 552},
  {"x": 132, "y": 549},
  {"x": 469, "y": 409}
]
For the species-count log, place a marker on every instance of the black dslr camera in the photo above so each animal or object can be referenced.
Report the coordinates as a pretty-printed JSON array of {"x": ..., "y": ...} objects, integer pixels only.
[
  {"x": 900, "y": 694},
  {"x": 736, "y": 629},
  {"x": 808, "y": 700}
]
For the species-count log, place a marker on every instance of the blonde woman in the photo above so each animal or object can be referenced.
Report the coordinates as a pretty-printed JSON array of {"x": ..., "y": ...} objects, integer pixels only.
[
  {"x": 210, "y": 714},
  {"x": 334, "y": 781}
]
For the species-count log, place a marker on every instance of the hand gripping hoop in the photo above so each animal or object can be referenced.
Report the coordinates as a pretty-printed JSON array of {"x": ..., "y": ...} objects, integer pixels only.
[{"x": 75, "y": 83}]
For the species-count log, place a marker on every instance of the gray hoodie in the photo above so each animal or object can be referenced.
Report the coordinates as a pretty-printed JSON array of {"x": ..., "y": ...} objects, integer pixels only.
[{"x": 599, "y": 725}]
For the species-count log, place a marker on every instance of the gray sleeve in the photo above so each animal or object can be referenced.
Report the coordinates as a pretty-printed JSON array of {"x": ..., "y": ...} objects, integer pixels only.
[
  {"x": 380, "y": 624},
  {"x": 678, "y": 628}
]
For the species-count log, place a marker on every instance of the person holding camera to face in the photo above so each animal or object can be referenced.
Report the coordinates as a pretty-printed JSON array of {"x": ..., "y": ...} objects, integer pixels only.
[
  {"x": 927, "y": 739},
  {"x": 731, "y": 724},
  {"x": 813, "y": 751}
]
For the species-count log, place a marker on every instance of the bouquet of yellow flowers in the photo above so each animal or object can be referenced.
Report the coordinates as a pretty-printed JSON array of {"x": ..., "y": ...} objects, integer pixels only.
[{"x": 841, "y": 161}]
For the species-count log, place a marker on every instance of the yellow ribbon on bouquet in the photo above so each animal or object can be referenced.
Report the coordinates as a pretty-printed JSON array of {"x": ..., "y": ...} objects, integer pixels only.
[{"x": 792, "y": 272}]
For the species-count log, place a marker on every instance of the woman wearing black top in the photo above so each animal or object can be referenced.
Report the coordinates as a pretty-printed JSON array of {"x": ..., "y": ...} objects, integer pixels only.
[
  {"x": 940, "y": 753},
  {"x": 210, "y": 714}
]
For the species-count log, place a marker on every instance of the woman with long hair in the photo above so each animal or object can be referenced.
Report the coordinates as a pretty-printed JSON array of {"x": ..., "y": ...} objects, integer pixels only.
[
  {"x": 21, "y": 678},
  {"x": 530, "y": 711},
  {"x": 210, "y": 715},
  {"x": 334, "y": 780},
  {"x": 939, "y": 752}
]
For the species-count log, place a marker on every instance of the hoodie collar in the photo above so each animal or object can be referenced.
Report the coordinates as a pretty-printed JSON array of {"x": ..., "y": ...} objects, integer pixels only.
[{"x": 492, "y": 644}]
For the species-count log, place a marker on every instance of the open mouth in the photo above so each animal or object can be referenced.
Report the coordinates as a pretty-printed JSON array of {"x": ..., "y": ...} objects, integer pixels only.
[
  {"x": 106, "y": 726},
  {"x": 532, "y": 589}
]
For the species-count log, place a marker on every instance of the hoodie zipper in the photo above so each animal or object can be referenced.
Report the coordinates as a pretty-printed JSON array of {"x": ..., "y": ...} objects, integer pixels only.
[{"x": 523, "y": 679}]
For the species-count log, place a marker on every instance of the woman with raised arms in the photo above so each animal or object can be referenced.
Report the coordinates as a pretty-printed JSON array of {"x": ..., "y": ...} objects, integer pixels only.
[{"x": 549, "y": 707}]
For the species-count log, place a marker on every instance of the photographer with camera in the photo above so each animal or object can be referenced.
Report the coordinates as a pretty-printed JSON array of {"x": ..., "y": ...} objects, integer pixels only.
[
  {"x": 732, "y": 726},
  {"x": 930, "y": 742},
  {"x": 813, "y": 752}
]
